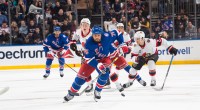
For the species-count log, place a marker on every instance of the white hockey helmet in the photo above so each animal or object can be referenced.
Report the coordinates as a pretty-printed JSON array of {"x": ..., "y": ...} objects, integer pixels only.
[
  {"x": 139, "y": 35},
  {"x": 120, "y": 24},
  {"x": 85, "y": 20}
]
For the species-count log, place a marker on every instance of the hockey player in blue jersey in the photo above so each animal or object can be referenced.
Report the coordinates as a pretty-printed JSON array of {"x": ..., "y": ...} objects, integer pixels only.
[
  {"x": 55, "y": 45},
  {"x": 96, "y": 54}
]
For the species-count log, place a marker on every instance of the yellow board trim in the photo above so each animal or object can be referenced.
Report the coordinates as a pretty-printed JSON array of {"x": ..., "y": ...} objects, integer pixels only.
[{"x": 78, "y": 65}]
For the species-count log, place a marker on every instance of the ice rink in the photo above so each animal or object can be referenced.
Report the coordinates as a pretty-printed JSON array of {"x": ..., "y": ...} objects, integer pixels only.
[{"x": 29, "y": 91}]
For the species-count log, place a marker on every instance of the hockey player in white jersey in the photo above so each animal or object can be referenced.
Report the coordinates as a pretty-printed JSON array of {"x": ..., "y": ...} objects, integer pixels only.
[
  {"x": 145, "y": 51},
  {"x": 82, "y": 35}
]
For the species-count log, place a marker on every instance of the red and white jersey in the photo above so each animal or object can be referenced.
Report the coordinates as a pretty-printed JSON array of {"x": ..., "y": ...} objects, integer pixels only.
[
  {"x": 127, "y": 38},
  {"x": 149, "y": 48},
  {"x": 78, "y": 35}
]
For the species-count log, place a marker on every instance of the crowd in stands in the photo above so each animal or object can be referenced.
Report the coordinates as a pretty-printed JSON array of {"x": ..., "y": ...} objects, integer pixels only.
[{"x": 26, "y": 19}]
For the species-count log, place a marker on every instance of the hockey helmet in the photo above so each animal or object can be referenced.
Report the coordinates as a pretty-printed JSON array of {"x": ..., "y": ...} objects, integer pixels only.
[
  {"x": 139, "y": 35},
  {"x": 96, "y": 30},
  {"x": 57, "y": 28},
  {"x": 85, "y": 20},
  {"x": 120, "y": 25}
]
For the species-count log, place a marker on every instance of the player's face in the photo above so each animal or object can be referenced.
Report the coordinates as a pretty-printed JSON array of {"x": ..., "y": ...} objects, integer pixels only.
[
  {"x": 97, "y": 37},
  {"x": 140, "y": 41},
  {"x": 85, "y": 27},
  {"x": 57, "y": 33},
  {"x": 120, "y": 28}
]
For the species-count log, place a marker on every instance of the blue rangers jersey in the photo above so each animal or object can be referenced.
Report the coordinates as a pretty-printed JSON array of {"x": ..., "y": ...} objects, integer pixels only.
[
  {"x": 96, "y": 51},
  {"x": 55, "y": 44},
  {"x": 116, "y": 35}
]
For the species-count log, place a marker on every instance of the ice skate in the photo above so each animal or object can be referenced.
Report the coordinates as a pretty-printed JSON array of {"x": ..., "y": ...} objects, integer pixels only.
[
  {"x": 142, "y": 82},
  {"x": 128, "y": 84},
  {"x": 61, "y": 74},
  {"x": 97, "y": 95},
  {"x": 119, "y": 87},
  {"x": 153, "y": 82},
  {"x": 68, "y": 97},
  {"x": 46, "y": 75}
]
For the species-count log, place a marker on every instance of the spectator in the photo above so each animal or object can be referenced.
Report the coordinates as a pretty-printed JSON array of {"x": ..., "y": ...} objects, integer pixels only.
[
  {"x": 66, "y": 26},
  {"x": 110, "y": 25},
  {"x": 106, "y": 8},
  {"x": 135, "y": 24},
  {"x": 154, "y": 35},
  {"x": 5, "y": 28},
  {"x": 14, "y": 29},
  {"x": 4, "y": 38},
  {"x": 180, "y": 32},
  {"x": 31, "y": 26},
  {"x": 60, "y": 17},
  {"x": 3, "y": 18},
  {"x": 48, "y": 14},
  {"x": 23, "y": 29},
  {"x": 21, "y": 9},
  {"x": 190, "y": 31},
  {"x": 145, "y": 26},
  {"x": 37, "y": 36},
  {"x": 158, "y": 26},
  {"x": 131, "y": 32}
]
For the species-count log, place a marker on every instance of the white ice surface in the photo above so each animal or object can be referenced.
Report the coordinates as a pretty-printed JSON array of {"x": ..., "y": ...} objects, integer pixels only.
[{"x": 29, "y": 91}]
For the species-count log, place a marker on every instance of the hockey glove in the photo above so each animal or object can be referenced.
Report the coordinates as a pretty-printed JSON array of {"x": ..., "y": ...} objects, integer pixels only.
[
  {"x": 78, "y": 53},
  {"x": 141, "y": 61},
  {"x": 125, "y": 49},
  {"x": 101, "y": 68},
  {"x": 172, "y": 50},
  {"x": 73, "y": 47}
]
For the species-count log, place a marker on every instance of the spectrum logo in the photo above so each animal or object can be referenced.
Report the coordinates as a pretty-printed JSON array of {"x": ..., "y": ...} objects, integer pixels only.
[
  {"x": 21, "y": 54},
  {"x": 183, "y": 51}
]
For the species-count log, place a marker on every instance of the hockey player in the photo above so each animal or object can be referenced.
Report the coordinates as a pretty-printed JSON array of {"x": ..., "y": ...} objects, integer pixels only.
[
  {"x": 145, "y": 51},
  {"x": 97, "y": 49},
  {"x": 55, "y": 45},
  {"x": 121, "y": 39},
  {"x": 82, "y": 35}
]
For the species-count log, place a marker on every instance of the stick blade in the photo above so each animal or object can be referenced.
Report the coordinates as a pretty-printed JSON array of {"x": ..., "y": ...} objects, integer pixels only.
[
  {"x": 4, "y": 90},
  {"x": 158, "y": 89}
]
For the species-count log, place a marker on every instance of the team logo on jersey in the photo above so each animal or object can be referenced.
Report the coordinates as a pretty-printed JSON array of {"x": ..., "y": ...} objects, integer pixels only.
[
  {"x": 112, "y": 34},
  {"x": 106, "y": 34},
  {"x": 53, "y": 42}
]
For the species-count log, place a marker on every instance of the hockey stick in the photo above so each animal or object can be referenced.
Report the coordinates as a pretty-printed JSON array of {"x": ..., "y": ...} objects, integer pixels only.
[
  {"x": 159, "y": 89},
  {"x": 80, "y": 93},
  {"x": 66, "y": 64},
  {"x": 4, "y": 90}
]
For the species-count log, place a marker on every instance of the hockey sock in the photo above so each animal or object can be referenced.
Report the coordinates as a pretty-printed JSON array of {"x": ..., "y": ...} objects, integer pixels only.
[
  {"x": 101, "y": 82},
  {"x": 48, "y": 65},
  {"x": 78, "y": 82}
]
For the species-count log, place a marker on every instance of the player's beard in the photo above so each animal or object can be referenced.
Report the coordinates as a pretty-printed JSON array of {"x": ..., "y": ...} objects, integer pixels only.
[{"x": 97, "y": 40}]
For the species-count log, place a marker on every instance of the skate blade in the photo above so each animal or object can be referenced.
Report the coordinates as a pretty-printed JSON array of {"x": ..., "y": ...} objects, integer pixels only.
[{"x": 89, "y": 94}]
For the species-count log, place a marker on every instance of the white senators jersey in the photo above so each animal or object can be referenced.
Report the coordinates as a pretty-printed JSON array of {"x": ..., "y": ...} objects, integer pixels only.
[
  {"x": 78, "y": 35},
  {"x": 127, "y": 38},
  {"x": 149, "y": 48}
]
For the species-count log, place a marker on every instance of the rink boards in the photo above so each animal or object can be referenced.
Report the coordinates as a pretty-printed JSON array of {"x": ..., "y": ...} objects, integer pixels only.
[{"x": 27, "y": 57}]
